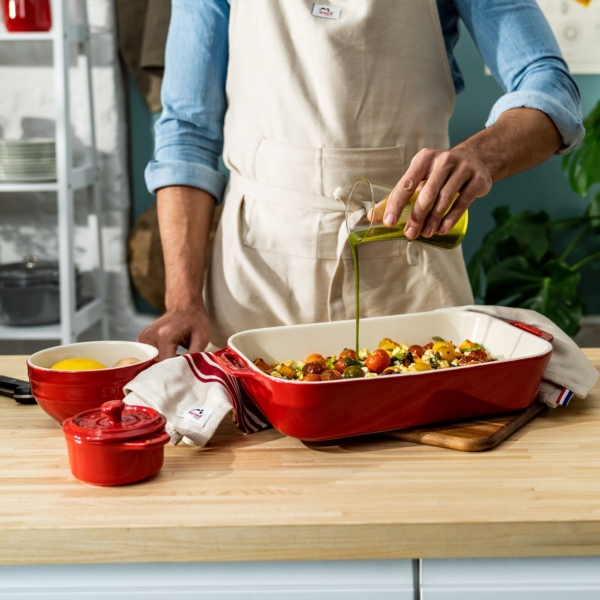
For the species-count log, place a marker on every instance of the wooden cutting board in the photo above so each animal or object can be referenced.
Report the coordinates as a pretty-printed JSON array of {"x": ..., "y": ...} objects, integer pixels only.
[{"x": 470, "y": 436}]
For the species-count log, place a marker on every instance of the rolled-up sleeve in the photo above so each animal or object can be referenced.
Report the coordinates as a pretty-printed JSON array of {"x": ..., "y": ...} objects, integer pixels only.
[
  {"x": 520, "y": 50},
  {"x": 189, "y": 133}
]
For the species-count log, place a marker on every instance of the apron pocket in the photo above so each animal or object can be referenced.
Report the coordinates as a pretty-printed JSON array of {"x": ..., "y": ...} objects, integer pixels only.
[
  {"x": 343, "y": 166},
  {"x": 320, "y": 171},
  {"x": 280, "y": 228},
  {"x": 288, "y": 166}
]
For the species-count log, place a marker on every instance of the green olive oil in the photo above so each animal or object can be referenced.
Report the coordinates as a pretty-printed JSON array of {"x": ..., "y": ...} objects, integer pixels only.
[{"x": 381, "y": 233}]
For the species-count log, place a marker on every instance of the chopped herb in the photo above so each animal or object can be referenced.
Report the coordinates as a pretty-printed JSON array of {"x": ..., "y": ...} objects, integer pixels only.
[
  {"x": 330, "y": 362},
  {"x": 437, "y": 338},
  {"x": 472, "y": 348}
]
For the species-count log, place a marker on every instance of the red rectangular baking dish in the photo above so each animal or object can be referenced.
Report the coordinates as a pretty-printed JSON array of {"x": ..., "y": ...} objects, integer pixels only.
[{"x": 327, "y": 410}]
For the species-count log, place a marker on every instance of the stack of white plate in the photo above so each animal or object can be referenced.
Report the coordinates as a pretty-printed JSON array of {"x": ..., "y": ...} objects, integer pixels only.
[{"x": 28, "y": 161}]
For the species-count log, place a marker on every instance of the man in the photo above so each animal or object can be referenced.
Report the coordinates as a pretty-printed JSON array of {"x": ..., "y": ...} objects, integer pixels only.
[{"x": 309, "y": 98}]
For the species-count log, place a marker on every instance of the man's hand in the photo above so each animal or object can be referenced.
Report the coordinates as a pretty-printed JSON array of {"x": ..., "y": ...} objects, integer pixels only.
[
  {"x": 184, "y": 217},
  {"x": 444, "y": 174},
  {"x": 519, "y": 140},
  {"x": 188, "y": 328}
]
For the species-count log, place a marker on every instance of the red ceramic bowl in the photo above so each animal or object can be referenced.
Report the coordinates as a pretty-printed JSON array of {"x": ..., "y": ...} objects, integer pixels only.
[
  {"x": 63, "y": 394},
  {"x": 116, "y": 444}
]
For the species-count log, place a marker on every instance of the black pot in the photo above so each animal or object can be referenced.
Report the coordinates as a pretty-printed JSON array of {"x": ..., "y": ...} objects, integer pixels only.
[{"x": 30, "y": 293}]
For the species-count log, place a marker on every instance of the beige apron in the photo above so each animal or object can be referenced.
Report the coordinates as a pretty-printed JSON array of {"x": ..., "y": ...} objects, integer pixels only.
[{"x": 315, "y": 103}]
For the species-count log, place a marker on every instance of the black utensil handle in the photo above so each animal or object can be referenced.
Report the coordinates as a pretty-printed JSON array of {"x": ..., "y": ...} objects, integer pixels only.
[
  {"x": 17, "y": 389},
  {"x": 8, "y": 385},
  {"x": 23, "y": 395}
]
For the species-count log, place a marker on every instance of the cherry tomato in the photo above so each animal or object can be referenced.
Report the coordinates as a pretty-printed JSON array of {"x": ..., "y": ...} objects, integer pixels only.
[
  {"x": 349, "y": 353},
  {"x": 392, "y": 371},
  {"x": 446, "y": 353},
  {"x": 465, "y": 361},
  {"x": 420, "y": 367},
  {"x": 478, "y": 355},
  {"x": 353, "y": 372},
  {"x": 473, "y": 358},
  {"x": 438, "y": 345},
  {"x": 330, "y": 375},
  {"x": 340, "y": 365},
  {"x": 428, "y": 346},
  {"x": 378, "y": 360},
  {"x": 312, "y": 377},
  {"x": 416, "y": 351},
  {"x": 315, "y": 358},
  {"x": 313, "y": 368}
]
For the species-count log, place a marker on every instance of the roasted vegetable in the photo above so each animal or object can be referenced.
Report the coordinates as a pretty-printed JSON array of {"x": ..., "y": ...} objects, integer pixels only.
[
  {"x": 378, "y": 360},
  {"x": 390, "y": 358},
  {"x": 353, "y": 372},
  {"x": 313, "y": 368},
  {"x": 262, "y": 365},
  {"x": 330, "y": 375}
]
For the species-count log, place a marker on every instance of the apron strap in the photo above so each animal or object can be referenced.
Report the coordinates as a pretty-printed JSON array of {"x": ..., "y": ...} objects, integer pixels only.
[{"x": 289, "y": 197}]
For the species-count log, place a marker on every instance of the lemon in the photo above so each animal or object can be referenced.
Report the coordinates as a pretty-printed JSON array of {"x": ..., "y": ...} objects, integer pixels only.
[{"x": 77, "y": 364}]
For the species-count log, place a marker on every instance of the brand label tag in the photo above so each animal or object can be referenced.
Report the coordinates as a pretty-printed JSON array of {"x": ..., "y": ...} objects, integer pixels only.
[
  {"x": 199, "y": 416},
  {"x": 326, "y": 12}
]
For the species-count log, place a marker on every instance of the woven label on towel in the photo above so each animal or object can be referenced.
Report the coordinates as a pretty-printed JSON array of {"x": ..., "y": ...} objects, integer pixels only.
[
  {"x": 564, "y": 397},
  {"x": 197, "y": 415},
  {"x": 326, "y": 12}
]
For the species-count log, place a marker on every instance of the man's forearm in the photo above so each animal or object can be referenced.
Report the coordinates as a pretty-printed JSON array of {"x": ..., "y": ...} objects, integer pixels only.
[
  {"x": 521, "y": 139},
  {"x": 185, "y": 216}
]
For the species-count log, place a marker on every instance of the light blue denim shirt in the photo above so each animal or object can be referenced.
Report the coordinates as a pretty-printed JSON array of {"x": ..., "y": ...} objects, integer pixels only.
[{"x": 513, "y": 37}]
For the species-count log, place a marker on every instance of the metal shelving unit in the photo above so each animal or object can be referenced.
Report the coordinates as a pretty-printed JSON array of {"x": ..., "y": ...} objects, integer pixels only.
[{"x": 69, "y": 179}]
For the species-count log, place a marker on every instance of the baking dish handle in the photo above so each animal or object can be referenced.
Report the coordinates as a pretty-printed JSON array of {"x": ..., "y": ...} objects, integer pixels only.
[
  {"x": 531, "y": 329},
  {"x": 232, "y": 364}
]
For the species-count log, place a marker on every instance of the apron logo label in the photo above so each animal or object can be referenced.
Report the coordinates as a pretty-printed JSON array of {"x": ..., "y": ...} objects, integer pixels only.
[
  {"x": 197, "y": 415},
  {"x": 326, "y": 12}
]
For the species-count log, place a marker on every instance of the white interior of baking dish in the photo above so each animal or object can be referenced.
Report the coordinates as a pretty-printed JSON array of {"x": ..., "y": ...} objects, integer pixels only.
[{"x": 504, "y": 341}]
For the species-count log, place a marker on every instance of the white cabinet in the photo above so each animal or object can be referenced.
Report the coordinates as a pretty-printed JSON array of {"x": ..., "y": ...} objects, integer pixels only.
[
  {"x": 460, "y": 579},
  {"x": 314, "y": 580},
  {"x": 69, "y": 41},
  {"x": 515, "y": 578}
]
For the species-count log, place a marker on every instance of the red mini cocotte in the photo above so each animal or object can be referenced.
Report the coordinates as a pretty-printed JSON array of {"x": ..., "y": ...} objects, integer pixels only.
[{"x": 116, "y": 444}]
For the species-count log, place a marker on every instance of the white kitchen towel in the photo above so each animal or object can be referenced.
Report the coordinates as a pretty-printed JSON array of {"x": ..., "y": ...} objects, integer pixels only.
[
  {"x": 568, "y": 372},
  {"x": 195, "y": 395}
]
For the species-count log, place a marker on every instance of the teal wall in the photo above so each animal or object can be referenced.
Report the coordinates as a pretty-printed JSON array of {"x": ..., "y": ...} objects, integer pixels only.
[
  {"x": 541, "y": 188},
  {"x": 141, "y": 146},
  {"x": 544, "y": 187},
  {"x": 141, "y": 149}
]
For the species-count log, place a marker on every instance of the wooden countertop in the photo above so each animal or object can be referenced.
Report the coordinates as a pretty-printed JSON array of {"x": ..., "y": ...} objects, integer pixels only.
[{"x": 268, "y": 497}]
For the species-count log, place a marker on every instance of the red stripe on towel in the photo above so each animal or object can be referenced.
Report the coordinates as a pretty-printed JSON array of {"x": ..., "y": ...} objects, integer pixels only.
[{"x": 246, "y": 415}]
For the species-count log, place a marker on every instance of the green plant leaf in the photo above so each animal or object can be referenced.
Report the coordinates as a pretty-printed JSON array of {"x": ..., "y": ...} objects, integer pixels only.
[
  {"x": 593, "y": 213},
  {"x": 524, "y": 233},
  {"x": 550, "y": 289},
  {"x": 582, "y": 166}
]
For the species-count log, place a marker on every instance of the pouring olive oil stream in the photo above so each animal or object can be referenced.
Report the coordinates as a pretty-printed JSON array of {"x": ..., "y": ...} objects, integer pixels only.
[{"x": 364, "y": 196}]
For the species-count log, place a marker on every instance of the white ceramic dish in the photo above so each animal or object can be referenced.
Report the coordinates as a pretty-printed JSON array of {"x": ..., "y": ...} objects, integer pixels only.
[{"x": 504, "y": 341}]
